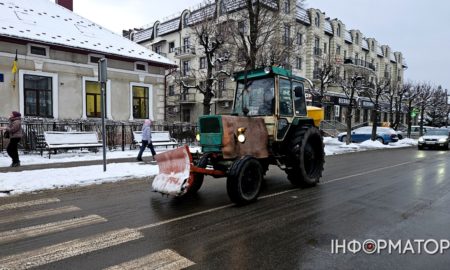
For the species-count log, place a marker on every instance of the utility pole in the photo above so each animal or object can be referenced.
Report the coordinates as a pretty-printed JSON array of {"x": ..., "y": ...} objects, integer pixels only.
[{"x": 102, "y": 79}]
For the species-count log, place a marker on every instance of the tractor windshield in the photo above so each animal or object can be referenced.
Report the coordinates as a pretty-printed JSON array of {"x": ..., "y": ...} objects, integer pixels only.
[{"x": 255, "y": 97}]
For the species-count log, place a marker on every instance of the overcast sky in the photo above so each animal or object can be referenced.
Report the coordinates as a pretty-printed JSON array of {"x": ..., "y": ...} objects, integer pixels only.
[{"x": 419, "y": 29}]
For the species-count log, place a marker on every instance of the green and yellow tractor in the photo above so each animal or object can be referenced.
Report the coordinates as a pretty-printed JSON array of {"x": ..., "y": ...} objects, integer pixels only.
[{"x": 269, "y": 125}]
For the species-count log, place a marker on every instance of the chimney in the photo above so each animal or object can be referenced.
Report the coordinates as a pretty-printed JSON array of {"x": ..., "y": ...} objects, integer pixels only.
[{"x": 66, "y": 3}]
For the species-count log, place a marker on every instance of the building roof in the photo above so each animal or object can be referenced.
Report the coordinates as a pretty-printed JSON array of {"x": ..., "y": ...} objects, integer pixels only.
[
  {"x": 169, "y": 26},
  {"x": 202, "y": 14},
  {"x": 380, "y": 51},
  {"x": 328, "y": 27},
  {"x": 143, "y": 35},
  {"x": 348, "y": 37},
  {"x": 42, "y": 21},
  {"x": 365, "y": 44},
  {"x": 392, "y": 57},
  {"x": 302, "y": 15}
]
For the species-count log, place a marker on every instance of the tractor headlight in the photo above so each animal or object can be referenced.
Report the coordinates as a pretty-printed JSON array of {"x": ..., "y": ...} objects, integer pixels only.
[
  {"x": 241, "y": 134},
  {"x": 197, "y": 137},
  {"x": 267, "y": 70},
  {"x": 421, "y": 139},
  {"x": 442, "y": 140}
]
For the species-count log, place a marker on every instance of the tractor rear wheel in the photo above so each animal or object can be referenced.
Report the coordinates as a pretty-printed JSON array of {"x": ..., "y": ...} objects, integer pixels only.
[
  {"x": 244, "y": 180},
  {"x": 309, "y": 157}
]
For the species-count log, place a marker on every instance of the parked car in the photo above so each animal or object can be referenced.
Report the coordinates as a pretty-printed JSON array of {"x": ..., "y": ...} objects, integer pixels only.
[
  {"x": 385, "y": 135},
  {"x": 435, "y": 138}
]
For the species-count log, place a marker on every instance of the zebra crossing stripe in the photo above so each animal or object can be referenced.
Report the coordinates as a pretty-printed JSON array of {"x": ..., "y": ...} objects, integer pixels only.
[
  {"x": 42, "y": 229},
  {"x": 38, "y": 214},
  {"x": 28, "y": 203},
  {"x": 162, "y": 260},
  {"x": 58, "y": 252}
]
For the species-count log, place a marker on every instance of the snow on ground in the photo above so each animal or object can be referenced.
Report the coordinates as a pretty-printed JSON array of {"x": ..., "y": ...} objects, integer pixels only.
[{"x": 36, "y": 180}]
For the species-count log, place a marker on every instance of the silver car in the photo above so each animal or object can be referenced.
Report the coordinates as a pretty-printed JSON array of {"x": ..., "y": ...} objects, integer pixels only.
[{"x": 435, "y": 138}]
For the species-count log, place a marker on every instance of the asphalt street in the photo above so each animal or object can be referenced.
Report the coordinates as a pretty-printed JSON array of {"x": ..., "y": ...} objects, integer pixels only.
[{"x": 396, "y": 194}]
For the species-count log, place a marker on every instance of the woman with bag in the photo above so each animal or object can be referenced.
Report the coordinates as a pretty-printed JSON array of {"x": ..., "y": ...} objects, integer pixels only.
[{"x": 14, "y": 131}]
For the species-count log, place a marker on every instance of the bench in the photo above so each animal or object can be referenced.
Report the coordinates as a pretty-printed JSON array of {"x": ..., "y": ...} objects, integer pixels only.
[
  {"x": 55, "y": 140},
  {"x": 159, "y": 138}
]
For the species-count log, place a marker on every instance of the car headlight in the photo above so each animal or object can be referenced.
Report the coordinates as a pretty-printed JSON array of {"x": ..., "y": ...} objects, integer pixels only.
[
  {"x": 197, "y": 137},
  {"x": 421, "y": 139},
  {"x": 241, "y": 134},
  {"x": 442, "y": 140}
]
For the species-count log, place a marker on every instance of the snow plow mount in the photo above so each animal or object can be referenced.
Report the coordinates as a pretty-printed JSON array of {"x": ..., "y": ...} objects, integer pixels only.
[{"x": 177, "y": 172}]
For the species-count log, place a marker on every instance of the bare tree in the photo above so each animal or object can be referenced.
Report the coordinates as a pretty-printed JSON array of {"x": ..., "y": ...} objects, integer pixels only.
[
  {"x": 262, "y": 32},
  {"x": 326, "y": 74},
  {"x": 210, "y": 36},
  {"x": 411, "y": 92},
  {"x": 437, "y": 111},
  {"x": 424, "y": 98},
  {"x": 351, "y": 87},
  {"x": 374, "y": 92}
]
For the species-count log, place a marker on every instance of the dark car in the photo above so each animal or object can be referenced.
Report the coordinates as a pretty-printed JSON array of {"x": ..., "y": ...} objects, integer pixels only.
[
  {"x": 385, "y": 135},
  {"x": 435, "y": 138}
]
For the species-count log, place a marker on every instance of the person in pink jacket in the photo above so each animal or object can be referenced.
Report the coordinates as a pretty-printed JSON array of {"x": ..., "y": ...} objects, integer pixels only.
[{"x": 15, "y": 135}]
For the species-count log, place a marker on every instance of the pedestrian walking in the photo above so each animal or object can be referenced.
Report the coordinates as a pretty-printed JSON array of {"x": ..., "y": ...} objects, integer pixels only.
[
  {"x": 14, "y": 131},
  {"x": 146, "y": 140}
]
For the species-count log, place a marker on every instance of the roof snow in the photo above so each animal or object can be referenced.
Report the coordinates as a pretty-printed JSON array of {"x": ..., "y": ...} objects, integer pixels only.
[{"x": 45, "y": 22}]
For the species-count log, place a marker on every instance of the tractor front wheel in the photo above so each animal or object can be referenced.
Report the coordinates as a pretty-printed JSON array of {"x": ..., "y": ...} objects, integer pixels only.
[
  {"x": 244, "y": 180},
  {"x": 309, "y": 157}
]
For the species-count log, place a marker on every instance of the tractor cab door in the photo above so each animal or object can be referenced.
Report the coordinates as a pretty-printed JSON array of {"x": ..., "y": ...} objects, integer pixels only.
[{"x": 285, "y": 108}]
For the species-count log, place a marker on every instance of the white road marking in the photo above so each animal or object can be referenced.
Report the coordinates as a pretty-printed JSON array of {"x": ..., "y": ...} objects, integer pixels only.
[
  {"x": 38, "y": 214},
  {"x": 42, "y": 229},
  {"x": 29, "y": 203},
  {"x": 58, "y": 252},
  {"x": 162, "y": 260}
]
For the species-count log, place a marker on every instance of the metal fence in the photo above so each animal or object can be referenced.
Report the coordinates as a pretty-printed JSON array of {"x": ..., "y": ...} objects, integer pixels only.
[{"x": 119, "y": 135}]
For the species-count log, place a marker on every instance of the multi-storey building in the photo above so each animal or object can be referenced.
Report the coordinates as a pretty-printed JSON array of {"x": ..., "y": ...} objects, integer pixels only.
[{"x": 315, "y": 38}]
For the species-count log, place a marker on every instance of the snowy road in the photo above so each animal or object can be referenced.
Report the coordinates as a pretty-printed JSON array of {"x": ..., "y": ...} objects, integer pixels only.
[{"x": 387, "y": 194}]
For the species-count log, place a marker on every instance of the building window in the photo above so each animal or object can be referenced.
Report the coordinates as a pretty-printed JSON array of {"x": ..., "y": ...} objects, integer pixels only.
[
  {"x": 186, "y": 68},
  {"x": 317, "y": 19},
  {"x": 185, "y": 20},
  {"x": 93, "y": 93},
  {"x": 338, "y": 30},
  {"x": 38, "y": 50},
  {"x": 187, "y": 115},
  {"x": 221, "y": 88},
  {"x": 157, "y": 49},
  {"x": 95, "y": 58},
  {"x": 287, "y": 35},
  {"x": 38, "y": 95},
  {"x": 187, "y": 42},
  {"x": 287, "y": 7},
  {"x": 298, "y": 63},
  {"x": 373, "y": 46},
  {"x": 357, "y": 38},
  {"x": 171, "y": 47},
  {"x": 140, "y": 102},
  {"x": 202, "y": 62},
  {"x": 171, "y": 90},
  {"x": 299, "y": 38},
  {"x": 242, "y": 27},
  {"x": 338, "y": 50},
  {"x": 325, "y": 47},
  {"x": 140, "y": 66}
]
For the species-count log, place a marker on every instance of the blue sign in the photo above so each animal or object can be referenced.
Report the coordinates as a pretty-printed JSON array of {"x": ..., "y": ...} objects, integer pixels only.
[{"x": 1, "y": 77}]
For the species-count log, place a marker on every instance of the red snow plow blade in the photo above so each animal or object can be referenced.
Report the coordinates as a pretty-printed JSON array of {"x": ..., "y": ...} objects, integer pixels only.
[{"x": 177, "y": 172}]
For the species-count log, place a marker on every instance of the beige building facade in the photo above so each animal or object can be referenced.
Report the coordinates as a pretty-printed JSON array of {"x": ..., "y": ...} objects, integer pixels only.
[
  {"x": 57, "y": 70},
  {"x": 315, "y": 38}
]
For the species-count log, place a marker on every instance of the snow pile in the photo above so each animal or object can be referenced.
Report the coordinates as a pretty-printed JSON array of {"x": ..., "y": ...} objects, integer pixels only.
[{"x": 333, "y": 146}]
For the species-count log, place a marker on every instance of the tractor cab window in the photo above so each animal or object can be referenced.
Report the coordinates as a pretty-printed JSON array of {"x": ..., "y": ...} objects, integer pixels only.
[
  {"x": 285, "y": 98},
  {"x": 255, "y": 97},
  {"x": 299, "y": 98}
]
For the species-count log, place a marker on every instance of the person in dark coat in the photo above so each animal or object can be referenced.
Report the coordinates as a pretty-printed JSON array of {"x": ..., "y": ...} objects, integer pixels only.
[
  {"x": 15, "y": 135},
  {"x": 146, "y": 140}
]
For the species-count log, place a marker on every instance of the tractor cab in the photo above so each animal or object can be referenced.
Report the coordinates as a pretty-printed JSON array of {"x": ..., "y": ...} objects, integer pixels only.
[{"x": 271, "y": 93}]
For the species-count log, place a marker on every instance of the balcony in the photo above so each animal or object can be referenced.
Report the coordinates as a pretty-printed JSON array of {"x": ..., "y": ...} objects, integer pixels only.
[
  {"x": 360, "y": 63},
  {"x": 187, "y": 98},
  {"x": 317, "y": 51},
  {"x": 184, "y": 52}
]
